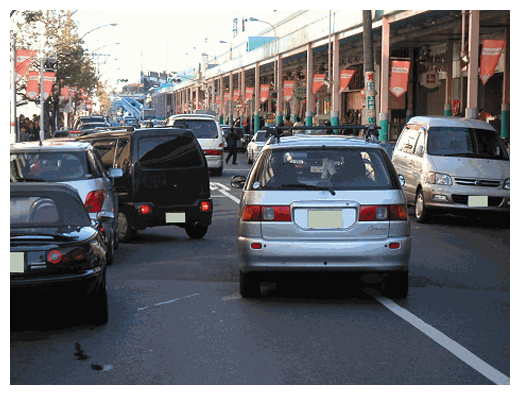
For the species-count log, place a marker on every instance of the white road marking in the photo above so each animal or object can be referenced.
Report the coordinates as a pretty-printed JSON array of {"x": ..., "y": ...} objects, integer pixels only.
[
  {"x": 440, "y": 338},
  {"x": 169, "y": 301},
  {"x": 456, "y": 349}
]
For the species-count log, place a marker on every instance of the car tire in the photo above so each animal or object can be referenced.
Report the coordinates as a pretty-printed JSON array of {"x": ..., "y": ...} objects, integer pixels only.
[
  {"x": 422, "y": 214},
  {"x": 196, "y": 232},
  {"x": 396, "y": 285},
  {"x": 126, "y": 233},
  {"x": 249, "y": 285},
  {"x": 98, "y": 305}
]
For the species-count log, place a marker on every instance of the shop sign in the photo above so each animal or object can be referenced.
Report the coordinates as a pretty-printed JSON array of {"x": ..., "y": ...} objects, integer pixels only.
[
  {"x": 399, "y": 77},
  {"x": 317, "y": 82},
  {"x": 264, "y": 93},
  {"x": 288, "y": 87},
  {"x": 430, "y": 80},
  {"x": 345, "y": 77},
  {"x": 491, "y": 51},
  {"x": 301, "y": 92}
]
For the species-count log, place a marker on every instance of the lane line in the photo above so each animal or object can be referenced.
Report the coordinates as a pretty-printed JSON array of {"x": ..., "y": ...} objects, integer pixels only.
[
  {"x": 169, "y": 301},
  {"x": 440, "y": 338}
]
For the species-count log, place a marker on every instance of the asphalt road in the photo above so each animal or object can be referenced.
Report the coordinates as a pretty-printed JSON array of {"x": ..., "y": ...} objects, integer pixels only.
[{"x": 176, "y": 316}]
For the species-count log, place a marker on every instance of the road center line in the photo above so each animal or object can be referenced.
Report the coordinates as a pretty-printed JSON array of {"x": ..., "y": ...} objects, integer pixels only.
[
  {"x": 223, "y": 189},
  {"x": 456, "y": 349}
]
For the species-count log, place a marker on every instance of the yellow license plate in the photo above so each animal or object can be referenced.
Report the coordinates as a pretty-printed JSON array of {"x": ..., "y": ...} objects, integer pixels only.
[{"x": 17, "y": 262}]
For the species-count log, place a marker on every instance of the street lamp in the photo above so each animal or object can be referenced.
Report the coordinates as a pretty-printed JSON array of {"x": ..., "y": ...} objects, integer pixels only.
[
  {"x": 90, "y": 31},
  {"x": 231, "y": 48}
]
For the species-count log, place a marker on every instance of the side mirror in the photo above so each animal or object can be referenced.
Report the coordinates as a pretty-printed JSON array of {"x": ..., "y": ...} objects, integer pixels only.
[
  {"x": 401, "y": 179},
  {"x": 104, "y": 216},
  {"x": 238, "y": 182},
  {"x": 420, "y": 150},
  {"x": 115, "y": 173}
]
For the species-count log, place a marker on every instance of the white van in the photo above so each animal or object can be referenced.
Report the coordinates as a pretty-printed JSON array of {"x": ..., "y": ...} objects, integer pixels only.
[
  {"x": 207, "y": 130},
  {"x": 450, "y": 163}
]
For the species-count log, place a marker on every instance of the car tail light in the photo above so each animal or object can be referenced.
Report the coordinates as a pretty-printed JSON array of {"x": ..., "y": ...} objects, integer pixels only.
[
  {"x": 212, "y": 152},
  {"x": 144, "y": 209},
  {"x": 205, "y": 206},
  {"x": 394, "y": 246},
  {"x": 74, "y": 255},
  {"x": 256, "y": 246},
  {"x": 94, "y": 201},
  {"x": 373, "y": 213},
  {"x": 398, "y": 213},
  {"x": 266, "y": 213}
]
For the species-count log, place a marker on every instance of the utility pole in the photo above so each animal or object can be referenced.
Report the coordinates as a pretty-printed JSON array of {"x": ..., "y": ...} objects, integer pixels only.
[{"x": 368, "y": 60}]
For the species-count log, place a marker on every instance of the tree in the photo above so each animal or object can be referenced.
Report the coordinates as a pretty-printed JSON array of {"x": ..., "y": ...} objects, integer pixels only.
[{"x": 63, "y": 53}]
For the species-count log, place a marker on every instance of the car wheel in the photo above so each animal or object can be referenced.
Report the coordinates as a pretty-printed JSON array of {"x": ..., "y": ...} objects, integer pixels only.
[
  {"x": 396, "y": 285},
  {"x": 98, "y": 305},
  {"x": 196, "y": 232},
  {"x": 422, "y": 214},
  {"x": 126, "y": 233},
  {"x": 249, "y": 285}
]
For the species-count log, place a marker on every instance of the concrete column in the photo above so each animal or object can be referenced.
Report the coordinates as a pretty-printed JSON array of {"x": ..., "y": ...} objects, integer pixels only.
[
  {"x": 221, "y": 94},
  {"x": 310, "y": 95},
  {"x": 473, "y": 39},
  {"x": 334, "y": 114},
  {"x": 243, "y": 96},
  {"x": 256, "y": 125},
  {"x": 504, "y": 126},
  {"x": 229, "y": 105},
  {"x": 279, "y": 94},
  {"x": 385, "y": 83},
  {"x": 448, "y": 106}
]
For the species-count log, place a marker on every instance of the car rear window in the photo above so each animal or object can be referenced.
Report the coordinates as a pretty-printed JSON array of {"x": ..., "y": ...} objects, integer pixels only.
[
  {"x": 34, "y": 211},
  {"x": 50, "y": 166},
  {"x": 340, "y": 169},
  {"x": 201, "y": 128},
  {"x": 169, "y": 151}
]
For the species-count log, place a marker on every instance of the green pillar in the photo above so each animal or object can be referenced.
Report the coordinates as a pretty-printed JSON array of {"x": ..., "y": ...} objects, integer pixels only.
[
  {"x": 447, "y": 110},
  {"x": 334, "y": 120},
  {"x": 256, "y": 122},
  {"x": 308, "y": 118},
  {"x": 279, "y": 118},
  {"x": 409, "y": 114},
  {"x": 383, "y": 124},
  {"x": 504, "y": 127}
]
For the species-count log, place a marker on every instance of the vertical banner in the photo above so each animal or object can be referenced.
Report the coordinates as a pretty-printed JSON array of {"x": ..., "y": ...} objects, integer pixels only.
[
  {"x": 370, "y": 93},
  {"x": 23, "y": 60},
  {"x": 399, "y": 77},
  {"x": 48, "y": 82},
  {"x": 288, "y": 90},
  {"x": 491, "y": 51},
  {"x": 317, "y": 82},
  {"x": 32, "y": 90},
  {"x": 236, "y": 95},
  {"x": 250, "y": 90},
  {"x": 226, "y": 97},
  {"x": 345, "y": 77},
  {"x": 264, "y": 93}
]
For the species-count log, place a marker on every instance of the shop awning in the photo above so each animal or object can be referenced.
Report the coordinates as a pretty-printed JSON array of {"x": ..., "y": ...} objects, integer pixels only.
[
  {"x": 288, "y": 90},
  {"x": 399, "y": 77},
  {"x": 317, "y": 82},
  {"x": 491, "y": 51}
]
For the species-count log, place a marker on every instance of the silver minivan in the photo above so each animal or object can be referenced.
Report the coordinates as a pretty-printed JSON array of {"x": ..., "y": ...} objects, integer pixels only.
[
  {"x": 208, "y": 132},
  {"x": 322, "y": 204},
  {"x": 451, "y": 163}
]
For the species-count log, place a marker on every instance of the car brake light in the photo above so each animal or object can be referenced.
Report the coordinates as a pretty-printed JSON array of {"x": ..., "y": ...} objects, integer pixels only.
[
  {"x": 94, "y": 201},
  {"x": 267, "y": 213},
  {"x": 66, "y": 256},
  {"x": 256, "y": 246},
  {"x": 251, "y": 213},
  {"x": 205, "y": 206},
  {"x": 144, "y": 209},
  {"x": 398, "y": 213},
  {"x": 394, "y": 246},
  {"x": 212, "y": 152},
  {"x": 54, "y": 257},
  {"x": 373, "y": 213}
]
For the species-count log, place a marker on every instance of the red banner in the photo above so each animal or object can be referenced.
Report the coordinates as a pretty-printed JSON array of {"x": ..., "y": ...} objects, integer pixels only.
[
  {"x": 317, "y": 82},
  {"x": 345, "y": 77},
  {"x": 491, "y": 51},
  {"x": 288, "y": 90},
  {"x": 32, "y": 89},
  {"x": 399, "y": 77},
  {"x": 264, "y": 93},
  {"x": 226, "y": 97},
  {"x": 23, "y": 60},
  {"x": 217, "y": 100},
  {"x": 48, "y": 82},
  {"x": 236, "y": 95},
  {"x": 249, "y": 93}
]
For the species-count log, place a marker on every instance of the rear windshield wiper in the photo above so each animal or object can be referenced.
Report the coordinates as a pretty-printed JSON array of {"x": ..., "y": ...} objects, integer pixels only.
[{"x": 313, "y": 187}]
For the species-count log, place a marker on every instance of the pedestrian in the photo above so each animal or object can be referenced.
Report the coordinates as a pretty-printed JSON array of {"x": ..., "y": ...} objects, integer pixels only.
[
  {"x": 288, "y": 121},
  {"x": 232, "y": 140},
  {"x": 24, "y": 136}
]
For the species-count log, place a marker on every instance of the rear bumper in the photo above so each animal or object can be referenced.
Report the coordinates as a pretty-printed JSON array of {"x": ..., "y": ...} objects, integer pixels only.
[
  {"x": 355, "y": 256},
  {"x": 178, "y": 215},
  {"x": 214, "y": 161}
]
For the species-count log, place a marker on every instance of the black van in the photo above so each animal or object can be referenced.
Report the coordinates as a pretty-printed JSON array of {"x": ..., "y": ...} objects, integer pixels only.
[{"x": 165, "y": 179}]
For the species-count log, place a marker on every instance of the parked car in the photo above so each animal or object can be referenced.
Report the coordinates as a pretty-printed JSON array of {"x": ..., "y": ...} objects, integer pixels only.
[
  {"x": 208, "y": 132},
  {"x": 243, "y": 138},
  {"x": 93, "y": 125},
  {"x": 57, "y": 254},
  {"x": 255, "y": 145},
  {"x": 165, "y": 179},
  {"x": 90, "y": 119},
  {"x": 75, "y": 164},
  {"x": 453, "y": 164},
  {"x": 322, "y": 204},
  {"x": 130, "y": 121}
]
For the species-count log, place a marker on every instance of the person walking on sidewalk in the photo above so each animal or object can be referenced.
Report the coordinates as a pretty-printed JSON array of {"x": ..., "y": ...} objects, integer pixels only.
[{"x": 232, "y": 140}]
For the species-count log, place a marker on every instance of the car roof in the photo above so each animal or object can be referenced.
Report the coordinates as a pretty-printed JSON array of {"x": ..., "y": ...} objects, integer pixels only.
[
  {"x": 440, "y": 121},
  {"x": 51, "y": 145},
  {"x": 320, "y": 141},
  {"x": 194, "y": 116}
]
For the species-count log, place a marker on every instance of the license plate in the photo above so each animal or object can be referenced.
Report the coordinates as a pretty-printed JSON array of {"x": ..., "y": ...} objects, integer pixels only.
[
  {"x": 316, "y": 169},
  {"x": 477, "y": 201},
  {"x": 176, "y": 218},
  {"x": 324, "y": 219},
  {"x": 17, "y": 262}
]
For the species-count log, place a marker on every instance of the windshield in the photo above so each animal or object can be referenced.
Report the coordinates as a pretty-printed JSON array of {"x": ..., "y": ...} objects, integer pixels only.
[
  {"x": 201, "y": 128},
  {"x": 49, "y": 166},
  {"x": 160, "y": 152},
  {"x": 467, "y": 142},
  {"x": 260, "y": 136},
  {"x": 327, "y": 168}
]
